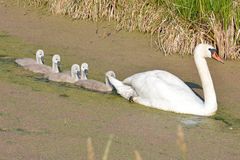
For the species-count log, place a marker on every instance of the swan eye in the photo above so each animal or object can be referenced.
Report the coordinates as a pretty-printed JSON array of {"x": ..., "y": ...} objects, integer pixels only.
[{"x": 213, "y": 51}]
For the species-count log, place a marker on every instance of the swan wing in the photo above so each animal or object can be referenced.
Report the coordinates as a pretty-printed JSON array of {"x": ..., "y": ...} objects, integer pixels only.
[
  {"x": 61, "y": 77},
  {"x": 163, "y": 90},
  {"x": 25, "y": 61},
  {"x": 94, "y": 85},
  {"x": 39, "y": 68}
]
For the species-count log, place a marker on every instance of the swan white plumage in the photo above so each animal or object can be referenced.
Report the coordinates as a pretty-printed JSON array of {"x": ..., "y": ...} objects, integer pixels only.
[
  {"x": 69, "y": 77},
  {"x": 28, "y": 61},
  {"x": 97, "y": 86},
  {"x": 46, "y": 70},
  {"x": 163, "y": 90}
]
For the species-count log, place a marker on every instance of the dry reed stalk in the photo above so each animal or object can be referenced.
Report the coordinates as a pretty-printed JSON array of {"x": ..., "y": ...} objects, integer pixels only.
[
  {"x": 173, "y": 38},
  {"x": 91, "y": 153},
  {"x": 137, "y": 155},
  {"x": 107, "y": 149},
  {"x": 181, "y": 142},
  {"x": 90, "y": 150},
  {"x": 226, "y": 40}
]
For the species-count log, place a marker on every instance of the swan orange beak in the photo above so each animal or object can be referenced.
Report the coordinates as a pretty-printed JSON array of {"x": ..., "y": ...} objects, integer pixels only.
[{"x": 217, "y": 57}]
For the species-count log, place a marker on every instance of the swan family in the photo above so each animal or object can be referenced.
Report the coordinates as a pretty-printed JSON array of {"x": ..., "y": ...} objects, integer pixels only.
[
  {"x": 78, "y": 75},
  {"x": 157, "y": 89}
]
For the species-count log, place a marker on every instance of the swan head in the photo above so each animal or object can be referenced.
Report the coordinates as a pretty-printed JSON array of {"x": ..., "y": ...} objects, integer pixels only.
[
  {"x": 75, "y": 71},
  {"x": 40, "y": 56},
  {"x": 56, "y": 61},
  {"x": 84, "y": 71},
  {"x": 207, "y": 51}
]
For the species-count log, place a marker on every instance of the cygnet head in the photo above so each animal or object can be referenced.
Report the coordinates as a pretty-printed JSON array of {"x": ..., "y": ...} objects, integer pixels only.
[
  {"x": 84, "y": 71},
  {"x": 206, "y": 50},
  {"x": 110, "y": 74},
  {"x": 107, "y": 75},
  {"x": 75, "y": 71},
  {"x": 56, "y": 62},
  {"x": 40, "y": 56}
]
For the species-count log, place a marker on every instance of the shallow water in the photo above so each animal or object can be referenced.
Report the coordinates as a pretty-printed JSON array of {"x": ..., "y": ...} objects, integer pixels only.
[
  {"x": 131, "y": 131},
  {"x": 53, "y": 120}
]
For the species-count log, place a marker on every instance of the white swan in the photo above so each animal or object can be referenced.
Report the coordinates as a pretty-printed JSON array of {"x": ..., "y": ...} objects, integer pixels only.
[
  {"x": 69, "y": 77},
  {"x": 28, "y": 61},
  {"x": 43, "y": 69},
  {"x": 97, "y": 86},
  {"x": 163, "y": 90}
]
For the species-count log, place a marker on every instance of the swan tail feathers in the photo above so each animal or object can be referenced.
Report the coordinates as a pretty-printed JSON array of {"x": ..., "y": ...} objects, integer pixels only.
[{"x": 128, "y": 80}]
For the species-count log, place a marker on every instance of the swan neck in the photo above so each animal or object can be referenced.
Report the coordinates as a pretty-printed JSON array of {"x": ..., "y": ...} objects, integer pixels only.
[
  {"x": 55, "y": 68},
  {"x": 210, "y": 101},
  {"x": 74, "y": 76},
  {"x": 83, "y": 75},
  {"x": 39, "y": 61},
  {"x": 107, "y": 83}
]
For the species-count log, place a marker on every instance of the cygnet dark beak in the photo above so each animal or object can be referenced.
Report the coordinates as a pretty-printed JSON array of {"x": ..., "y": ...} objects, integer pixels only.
[
  {"x": 42, "y": 59},
  {"x": 79, "y": 74},
  {"x": 59, "y": 66},
  {"x": 86, "y": 72}
]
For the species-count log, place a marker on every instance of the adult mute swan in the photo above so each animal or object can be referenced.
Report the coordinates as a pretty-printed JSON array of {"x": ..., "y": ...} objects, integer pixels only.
[
  {"x": 70, "y": 77},
  {"x": 163, "y": 90},
  {"x": 97, "y": 86},
  {"x": 43, "y": 69},
  {"x": 28, "y": 61}
]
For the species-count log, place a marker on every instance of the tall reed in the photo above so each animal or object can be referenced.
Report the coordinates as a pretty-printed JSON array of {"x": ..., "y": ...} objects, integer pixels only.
[{"x": 176, "y": 26}]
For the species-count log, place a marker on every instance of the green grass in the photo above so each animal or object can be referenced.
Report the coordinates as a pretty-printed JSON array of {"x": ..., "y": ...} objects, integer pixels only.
[{"x": 201, "y": 10}]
